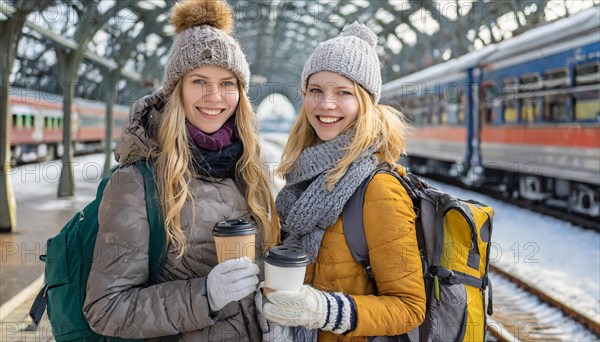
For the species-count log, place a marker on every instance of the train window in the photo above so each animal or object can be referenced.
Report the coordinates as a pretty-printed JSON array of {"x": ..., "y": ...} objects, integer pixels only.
[
  {"x": 556, "y": 78},
  {"x": 530, "y": 82},
  {"x": 462, "y": 110},
  {"x": 555, "y": 108},
  {"x": 531, "y": 109},
  {"x": 27, "y": 121},
  {"x": 451, "y": 113},
  {"x": 510, "y": 85},
  {"x": 587, "y": 105},
  {"x": 587, "y": 73},
  {"x": 15, "y": 121},
  {"x": 510, "y": 111},
  {"x": 435, "y": 113}
]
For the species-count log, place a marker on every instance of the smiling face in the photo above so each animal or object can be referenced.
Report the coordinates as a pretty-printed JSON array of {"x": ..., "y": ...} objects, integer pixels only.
[
  {"x": 210, "y": 97},
  {"x": 331, "y": 104}
]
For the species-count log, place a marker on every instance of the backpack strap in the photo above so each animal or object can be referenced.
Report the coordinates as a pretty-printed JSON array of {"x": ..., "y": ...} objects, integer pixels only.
[
  {"x": 353, "y": 224},
  {"x": 157, "y": 252},
  {"x": 352, "y": 219}
]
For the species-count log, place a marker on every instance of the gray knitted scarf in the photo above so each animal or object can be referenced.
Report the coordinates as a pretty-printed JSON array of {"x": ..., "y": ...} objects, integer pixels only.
[{"x": 306, "y": 208}]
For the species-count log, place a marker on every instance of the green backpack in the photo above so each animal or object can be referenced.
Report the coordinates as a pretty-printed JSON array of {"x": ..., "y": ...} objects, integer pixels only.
[{"x": 69, "y": 257}]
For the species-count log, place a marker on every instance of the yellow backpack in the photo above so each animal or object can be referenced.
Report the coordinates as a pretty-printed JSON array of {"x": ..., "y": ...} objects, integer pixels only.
[{"x": 454, "y": 243}]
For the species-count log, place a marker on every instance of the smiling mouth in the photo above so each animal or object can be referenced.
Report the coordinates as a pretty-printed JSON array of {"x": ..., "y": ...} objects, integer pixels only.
[
  {"x": 210, "y": 112},
  {"x": 328, "y": 119}
]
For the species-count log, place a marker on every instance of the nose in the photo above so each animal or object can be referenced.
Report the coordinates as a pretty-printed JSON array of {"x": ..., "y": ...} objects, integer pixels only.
[
  {"x": 328, "y": 102},
  {"x": 212, "y": 93}
]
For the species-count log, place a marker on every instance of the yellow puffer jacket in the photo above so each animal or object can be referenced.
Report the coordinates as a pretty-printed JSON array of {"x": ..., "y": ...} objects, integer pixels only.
[{"x": 389, "y": 221}]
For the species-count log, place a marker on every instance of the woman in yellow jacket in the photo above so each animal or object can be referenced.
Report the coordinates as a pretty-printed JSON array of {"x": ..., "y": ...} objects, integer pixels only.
[{"x": 342, "y": 133}]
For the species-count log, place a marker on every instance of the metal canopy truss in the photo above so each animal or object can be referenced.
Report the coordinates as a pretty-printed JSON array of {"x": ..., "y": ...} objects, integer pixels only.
[{"x": 277, "y": 36}]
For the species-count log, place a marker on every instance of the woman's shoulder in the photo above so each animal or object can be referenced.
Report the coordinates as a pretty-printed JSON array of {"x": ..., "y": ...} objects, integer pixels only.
[
  {"x": 385, "y": 186},
  {"x": 126, "y": 174},
  {"x": 126, "y": 181}
]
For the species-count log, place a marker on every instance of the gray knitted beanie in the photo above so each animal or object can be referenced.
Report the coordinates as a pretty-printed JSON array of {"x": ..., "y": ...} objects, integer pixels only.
[
  {"x": 202, "y": 38},
  {"x": 351, "y": 54}
]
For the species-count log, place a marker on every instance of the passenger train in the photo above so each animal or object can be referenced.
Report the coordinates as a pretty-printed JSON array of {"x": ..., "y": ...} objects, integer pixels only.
[
  {"x": 36, "y": 131},
  {"x": 521, "y": 116}
]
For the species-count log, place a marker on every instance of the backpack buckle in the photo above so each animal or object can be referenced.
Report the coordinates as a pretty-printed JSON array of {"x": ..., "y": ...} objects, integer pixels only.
[
  {"x": 445, "y": 276},
  {"x": 369, "y": 272}
]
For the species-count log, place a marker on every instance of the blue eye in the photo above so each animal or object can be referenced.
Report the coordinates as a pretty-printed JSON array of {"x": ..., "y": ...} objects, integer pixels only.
[
  {"x": 198, "y": 81},
  {"x": 228, "y": 83},
  {"x": 314, "y": 90},
  {"x": 343, "y": 92}
]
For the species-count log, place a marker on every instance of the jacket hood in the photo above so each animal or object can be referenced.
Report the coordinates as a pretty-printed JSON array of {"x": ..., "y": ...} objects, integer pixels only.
[{"x": 139, "y": 137}]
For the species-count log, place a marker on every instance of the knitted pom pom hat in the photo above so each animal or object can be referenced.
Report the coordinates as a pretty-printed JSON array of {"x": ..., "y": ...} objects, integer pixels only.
[
  {"x": 351, "y": 54},
  {"x": 203, "y": 30}
]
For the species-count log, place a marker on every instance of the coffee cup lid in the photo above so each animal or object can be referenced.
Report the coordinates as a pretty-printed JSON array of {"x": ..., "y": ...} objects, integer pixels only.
[
  {"x": 234, "y": 228},
  {"x": 286, "y": 256}
]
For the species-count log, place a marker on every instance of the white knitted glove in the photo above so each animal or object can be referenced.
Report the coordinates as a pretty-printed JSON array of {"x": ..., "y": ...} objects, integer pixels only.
[
  {"x": 230, "y": 281},
  {"x": 312, "y": 309}
]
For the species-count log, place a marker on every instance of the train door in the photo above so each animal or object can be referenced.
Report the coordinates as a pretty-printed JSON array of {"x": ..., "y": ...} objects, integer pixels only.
[{"x": 474, "y": 175}]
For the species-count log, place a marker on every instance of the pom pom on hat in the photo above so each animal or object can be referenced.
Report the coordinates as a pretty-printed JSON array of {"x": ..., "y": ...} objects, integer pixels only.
[
  {"x": 203, "y": 38},
  {"x": 361, "y": 31},
  {"x": 190, "y": 13}
]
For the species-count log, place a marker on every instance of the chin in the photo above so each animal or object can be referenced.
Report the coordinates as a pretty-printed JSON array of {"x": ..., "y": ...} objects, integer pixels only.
[
  {"x": 326, "y": 137},
  {"x": 208, "y": 128}
]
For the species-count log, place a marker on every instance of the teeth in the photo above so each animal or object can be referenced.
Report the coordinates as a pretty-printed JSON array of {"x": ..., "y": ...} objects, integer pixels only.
[
  {"x": 210, "y": 111},
  {"x": 328, "y": 119}
]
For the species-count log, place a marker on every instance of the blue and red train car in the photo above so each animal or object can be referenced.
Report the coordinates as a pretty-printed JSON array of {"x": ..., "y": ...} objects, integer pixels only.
[{"x": 521, "y": 116}]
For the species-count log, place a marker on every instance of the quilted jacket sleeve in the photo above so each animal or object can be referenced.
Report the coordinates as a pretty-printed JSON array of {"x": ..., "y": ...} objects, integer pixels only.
[
  {"x": 389, "y": 221},
  {"x": 117, "y": 303}
]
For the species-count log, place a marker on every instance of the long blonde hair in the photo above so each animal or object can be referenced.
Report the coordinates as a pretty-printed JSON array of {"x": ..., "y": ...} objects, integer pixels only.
[
  {"x": 379, "y": 125},
  {"x": 173, "y": 169}
]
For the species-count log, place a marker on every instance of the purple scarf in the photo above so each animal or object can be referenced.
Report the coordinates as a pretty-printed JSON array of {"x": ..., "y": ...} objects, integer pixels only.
[{"x": 215, "y": 141}]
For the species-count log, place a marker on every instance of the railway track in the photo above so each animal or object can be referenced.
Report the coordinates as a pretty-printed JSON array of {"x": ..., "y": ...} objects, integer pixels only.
[
  {"x": 578, "y": 220},
  {"x": 522, "y": 312}
]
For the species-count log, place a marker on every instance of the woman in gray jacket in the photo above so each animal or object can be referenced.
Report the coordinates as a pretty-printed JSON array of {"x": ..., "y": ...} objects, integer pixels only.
[{"x": 200, "y": 134}]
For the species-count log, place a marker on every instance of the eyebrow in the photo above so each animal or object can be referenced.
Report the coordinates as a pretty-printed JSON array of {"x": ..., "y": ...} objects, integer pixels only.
[
  {"x": 205, "y": 77},
  {"x": 328, "y": 84}
]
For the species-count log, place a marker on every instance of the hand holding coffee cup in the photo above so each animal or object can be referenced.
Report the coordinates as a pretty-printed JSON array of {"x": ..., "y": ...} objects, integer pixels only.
[
  {"x": 285, "y": 268},
  {"x": 235, "y": 239}
]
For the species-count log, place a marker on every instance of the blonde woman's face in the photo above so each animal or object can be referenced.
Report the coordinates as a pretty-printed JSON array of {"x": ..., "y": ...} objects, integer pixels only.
[
  {"x": 331, "y": 104},
  {"x": 210, "y": 97}
]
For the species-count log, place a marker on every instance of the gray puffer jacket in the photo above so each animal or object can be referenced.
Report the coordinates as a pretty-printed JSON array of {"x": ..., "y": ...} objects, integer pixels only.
[{"x": 119, "y": 300}]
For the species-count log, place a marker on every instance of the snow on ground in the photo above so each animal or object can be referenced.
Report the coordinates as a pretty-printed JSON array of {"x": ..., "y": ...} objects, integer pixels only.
[
  {"x": 41, "y": 181},
  {"x": 559, "y": 258}
]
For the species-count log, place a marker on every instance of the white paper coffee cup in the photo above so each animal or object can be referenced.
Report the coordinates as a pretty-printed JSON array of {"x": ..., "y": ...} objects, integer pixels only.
[{"x": 285, "y": 268}]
